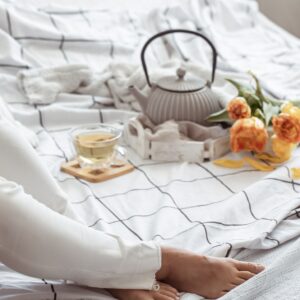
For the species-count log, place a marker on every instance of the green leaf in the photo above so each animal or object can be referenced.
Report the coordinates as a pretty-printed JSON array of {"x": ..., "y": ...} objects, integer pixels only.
[
  {"x": 242, "y": 89},
  {"x": 248, "y": 93},
  {"x": 259, "y": 114},
  {"x": 276, "y": 102},
  {"x": 258, "y": 90},
  {"x": 220, "y": 116},
  {"x": 279, "y": 102},
  {"x": 270, "y": 111},
  {"x": 295, "y": 102},
  {"x": 252, "y": 100}
]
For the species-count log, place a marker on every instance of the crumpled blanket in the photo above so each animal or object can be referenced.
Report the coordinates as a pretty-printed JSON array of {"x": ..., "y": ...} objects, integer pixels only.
[{"x": 44, "y": 85}]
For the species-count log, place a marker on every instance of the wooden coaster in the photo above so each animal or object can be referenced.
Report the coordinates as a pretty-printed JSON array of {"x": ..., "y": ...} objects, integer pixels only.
[{"x": 95, "y": 175}]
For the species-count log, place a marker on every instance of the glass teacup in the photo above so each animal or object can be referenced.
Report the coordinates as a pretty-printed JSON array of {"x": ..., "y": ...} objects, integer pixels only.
[{"x": 96, "y": 146}]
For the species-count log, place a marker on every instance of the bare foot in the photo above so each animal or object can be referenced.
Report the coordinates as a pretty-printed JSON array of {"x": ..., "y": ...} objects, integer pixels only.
[
  {"x": 166, "y": 292},
  {"x": 206, "y": 276}
]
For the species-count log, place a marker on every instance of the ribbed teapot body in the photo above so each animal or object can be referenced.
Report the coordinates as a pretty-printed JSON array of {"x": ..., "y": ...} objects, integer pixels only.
[{"x": 192, "y": 106}]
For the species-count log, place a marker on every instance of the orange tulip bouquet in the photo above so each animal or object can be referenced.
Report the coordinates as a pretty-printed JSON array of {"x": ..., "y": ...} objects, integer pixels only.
[{"x": 269, "y": 128}]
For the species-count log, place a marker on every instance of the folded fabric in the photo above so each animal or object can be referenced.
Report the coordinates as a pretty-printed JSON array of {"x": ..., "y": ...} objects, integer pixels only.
[
  {"x": 182, "y": 130},
  {"x": 42, "y": 86},
  {"x": 6, "y": 115}
]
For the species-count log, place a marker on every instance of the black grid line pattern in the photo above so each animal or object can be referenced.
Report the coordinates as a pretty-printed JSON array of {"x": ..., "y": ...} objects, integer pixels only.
[
  {"x": 51, "y": 287},
  {"x": 180, "y": 210},
  {"x": 59, "y": 148},
  {"x": 8, "y": 22},
  {"x": 74, "y": 12},
  {"x": 63, "y": 39},
  {"x": 195, "y": 206},
  {"x": 53, "y": 22},
  {"x": 204, "y": 224},
  {"x": 158, "y": 187}
]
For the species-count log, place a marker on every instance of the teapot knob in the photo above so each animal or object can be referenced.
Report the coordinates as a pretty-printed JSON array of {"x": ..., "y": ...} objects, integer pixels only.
[{"x": 180, "y": 73}]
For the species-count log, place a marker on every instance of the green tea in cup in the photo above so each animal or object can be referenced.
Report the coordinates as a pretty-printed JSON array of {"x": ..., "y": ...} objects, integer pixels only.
[{"x": 96, "y": 145}]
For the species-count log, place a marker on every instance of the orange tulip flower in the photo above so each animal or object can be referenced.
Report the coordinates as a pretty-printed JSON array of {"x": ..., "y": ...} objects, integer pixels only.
[
  {"x": 248, "y": 134},
  {"x": 287, "y": 127},
  {"x": 238, "y": 108}
]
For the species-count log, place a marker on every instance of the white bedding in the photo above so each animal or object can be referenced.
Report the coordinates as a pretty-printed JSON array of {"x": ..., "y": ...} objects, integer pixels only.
[{"x": 200, "y": 207}]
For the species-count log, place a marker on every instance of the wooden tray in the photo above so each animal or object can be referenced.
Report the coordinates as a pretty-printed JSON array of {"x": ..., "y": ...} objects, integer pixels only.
[
  {"x": 95, "y": 175},
  {"x": 137, "y": 137}
]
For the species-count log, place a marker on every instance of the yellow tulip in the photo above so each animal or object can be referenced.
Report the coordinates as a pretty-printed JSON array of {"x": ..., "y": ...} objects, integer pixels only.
[
  {"x": 290, "y": 109},
  {"x": 281, "y": 148},
  {"x": 295, "y": 173}
]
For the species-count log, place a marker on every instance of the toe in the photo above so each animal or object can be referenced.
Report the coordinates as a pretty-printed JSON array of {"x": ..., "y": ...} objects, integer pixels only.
[
  {"x": 229, "y": 287},
  {"x": 250, "y": 267},
  {"x": 223, "y": 294}
]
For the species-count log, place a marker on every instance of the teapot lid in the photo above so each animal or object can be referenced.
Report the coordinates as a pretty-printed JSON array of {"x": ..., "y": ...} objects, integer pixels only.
[{"x": 180, "y": 83}]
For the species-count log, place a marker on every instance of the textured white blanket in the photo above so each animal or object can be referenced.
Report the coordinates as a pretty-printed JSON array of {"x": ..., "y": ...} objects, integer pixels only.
[{"x": 196, "y": 206}]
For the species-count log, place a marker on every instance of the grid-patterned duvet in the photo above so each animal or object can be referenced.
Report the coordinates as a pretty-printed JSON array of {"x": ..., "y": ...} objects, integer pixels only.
[{"x": 200, "y": 207}]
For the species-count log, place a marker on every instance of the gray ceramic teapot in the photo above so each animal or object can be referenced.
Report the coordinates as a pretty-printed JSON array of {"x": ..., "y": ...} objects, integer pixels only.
[{"x": 181, "y": 97}]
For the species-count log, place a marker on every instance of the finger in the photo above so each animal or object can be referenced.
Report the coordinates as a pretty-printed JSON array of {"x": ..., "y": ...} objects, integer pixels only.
[
  {"x": 145, "y": 297},
  {"x": 159, "y": 296},
  {"x": 239, "y": 280},
  {"x": 169, "y": 294},
  {"x": 250, "y": 267},
  {"x": 245, "y": 275},
  {"x": 168, "y": 288}
]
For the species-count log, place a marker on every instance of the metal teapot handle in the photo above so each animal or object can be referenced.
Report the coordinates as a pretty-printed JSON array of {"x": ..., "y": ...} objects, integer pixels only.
[{"x": 214, "y": 51}]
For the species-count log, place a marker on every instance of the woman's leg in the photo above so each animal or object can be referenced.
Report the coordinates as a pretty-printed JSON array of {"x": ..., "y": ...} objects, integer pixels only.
[
  {"x": 20, "y": 163},
  {"x": 210, "y": 277}
]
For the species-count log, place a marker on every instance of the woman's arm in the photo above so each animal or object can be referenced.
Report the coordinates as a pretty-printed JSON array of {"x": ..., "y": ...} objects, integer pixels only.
[{"x": 39, "y": 242}]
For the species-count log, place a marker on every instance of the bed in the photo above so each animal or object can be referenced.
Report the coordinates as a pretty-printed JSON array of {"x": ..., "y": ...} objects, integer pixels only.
[{"x": 245, "y": 214}]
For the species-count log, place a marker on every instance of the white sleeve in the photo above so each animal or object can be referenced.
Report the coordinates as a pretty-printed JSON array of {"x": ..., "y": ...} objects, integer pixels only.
[
  {"x": 39, "y": 242},
  {"x": 20, "y": 163}
]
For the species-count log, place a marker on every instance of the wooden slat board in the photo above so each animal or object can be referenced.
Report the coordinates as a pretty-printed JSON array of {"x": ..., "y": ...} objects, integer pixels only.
[{"x": 95, "y": 175}]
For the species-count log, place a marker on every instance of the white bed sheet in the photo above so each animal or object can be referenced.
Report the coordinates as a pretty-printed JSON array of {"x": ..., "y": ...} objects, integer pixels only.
[{"x": 199, "y": 207}]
